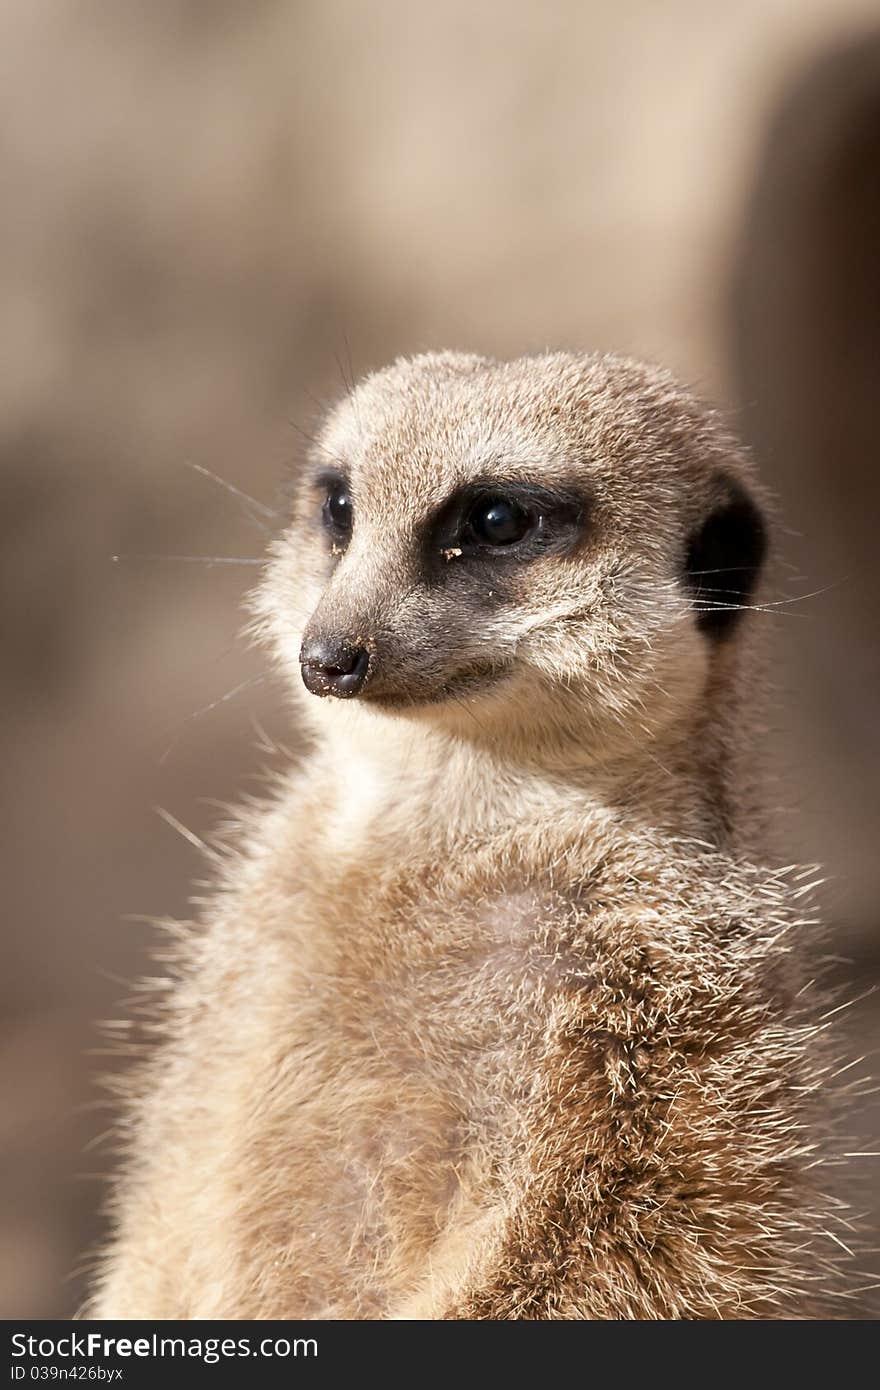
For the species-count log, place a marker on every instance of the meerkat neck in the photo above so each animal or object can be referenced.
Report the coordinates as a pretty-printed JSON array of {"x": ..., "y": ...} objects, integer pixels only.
[{"x": 407, "y": 777}]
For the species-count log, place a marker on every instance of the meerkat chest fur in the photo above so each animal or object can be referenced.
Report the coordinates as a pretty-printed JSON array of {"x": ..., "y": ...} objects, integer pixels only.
[
  {"x": 439, "y": 933},
  {"x": 414, "y": 959}
]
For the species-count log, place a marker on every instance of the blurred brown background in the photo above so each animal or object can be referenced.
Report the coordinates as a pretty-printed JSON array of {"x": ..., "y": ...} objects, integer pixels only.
[{"x": 210, "y": 213}]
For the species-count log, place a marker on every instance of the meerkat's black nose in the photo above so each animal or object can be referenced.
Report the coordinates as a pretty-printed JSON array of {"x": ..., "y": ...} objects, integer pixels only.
[{"x": 331, "y": 667}]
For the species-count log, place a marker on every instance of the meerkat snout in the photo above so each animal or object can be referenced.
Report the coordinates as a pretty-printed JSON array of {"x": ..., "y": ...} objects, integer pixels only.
[{"x": 333, "y": 667}]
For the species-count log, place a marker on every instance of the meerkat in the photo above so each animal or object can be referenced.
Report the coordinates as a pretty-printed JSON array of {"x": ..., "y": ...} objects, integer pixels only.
[{"x": 497, "y": 1010}]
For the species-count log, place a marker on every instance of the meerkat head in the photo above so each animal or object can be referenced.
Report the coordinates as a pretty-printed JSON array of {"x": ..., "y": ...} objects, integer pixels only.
[{"x": 558, "y": 547}]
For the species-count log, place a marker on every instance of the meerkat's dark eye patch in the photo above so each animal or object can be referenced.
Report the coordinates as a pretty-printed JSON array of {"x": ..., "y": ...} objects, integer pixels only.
[
  {"x": 337, "y": 510},
  {"x": 724, "y": 560},
  {"x": 494, "y": 519}
]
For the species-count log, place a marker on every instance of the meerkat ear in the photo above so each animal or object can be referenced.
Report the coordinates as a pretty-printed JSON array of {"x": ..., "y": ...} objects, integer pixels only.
[{"x": 724, "y": 559}]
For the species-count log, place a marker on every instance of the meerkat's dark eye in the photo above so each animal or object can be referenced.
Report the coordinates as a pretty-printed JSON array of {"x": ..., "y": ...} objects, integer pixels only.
[
  {"x": 337, "y": 510},
  {"x": 497, "y": 520}
]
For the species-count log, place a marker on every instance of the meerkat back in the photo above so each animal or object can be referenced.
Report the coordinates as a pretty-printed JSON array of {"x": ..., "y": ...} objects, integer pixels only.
[{"x": 497, "y": 1010}]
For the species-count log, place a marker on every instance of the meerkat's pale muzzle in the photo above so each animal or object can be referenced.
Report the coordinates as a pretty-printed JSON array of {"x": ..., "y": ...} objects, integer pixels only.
[{"x": 333, "y": 667}]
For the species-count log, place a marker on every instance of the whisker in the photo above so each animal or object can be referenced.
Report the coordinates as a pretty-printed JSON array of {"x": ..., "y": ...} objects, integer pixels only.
[
  {"x": 189, "y": 835},
  {"x": 706, "y": 605},
  {"x": 349, "y": 385},
  {"x": 727, "y": 569},
  {"x": 209, "y": 560},
  {"x": 250, "y": 502},
  {"x": 766, "y": 604},
  {"x": 800, "y": 598},
  {"x": 311, "y": 439},
  {"x": 206, "y": 709}
]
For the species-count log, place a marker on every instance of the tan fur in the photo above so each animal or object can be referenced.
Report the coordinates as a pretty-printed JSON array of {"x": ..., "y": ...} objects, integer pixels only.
[{"x": 498, "y": 1011}]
